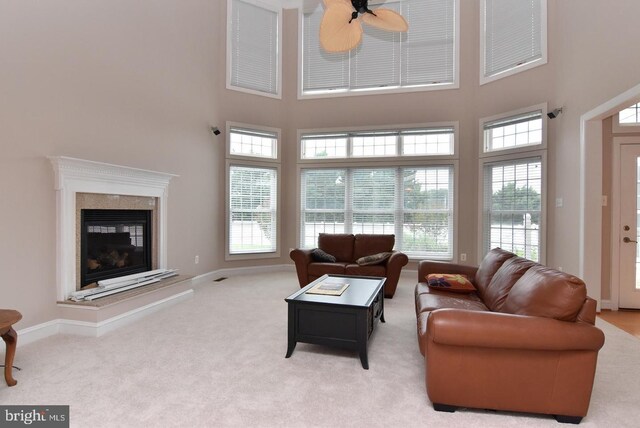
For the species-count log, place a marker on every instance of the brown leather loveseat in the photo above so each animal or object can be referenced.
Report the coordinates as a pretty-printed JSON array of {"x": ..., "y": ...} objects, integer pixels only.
[
  {"x": 347, "y": 249},
  {"x": 525, "y": 341}
]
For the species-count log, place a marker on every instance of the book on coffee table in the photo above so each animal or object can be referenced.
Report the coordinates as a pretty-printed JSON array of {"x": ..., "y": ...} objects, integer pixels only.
[{"x": 329, "y": 287}]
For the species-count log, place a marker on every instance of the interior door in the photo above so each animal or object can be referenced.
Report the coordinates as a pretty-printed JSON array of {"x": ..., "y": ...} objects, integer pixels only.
[{"x": 629, "y": 291}]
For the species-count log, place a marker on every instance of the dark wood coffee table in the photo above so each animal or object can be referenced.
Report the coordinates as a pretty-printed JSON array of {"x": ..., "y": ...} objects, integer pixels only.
[{"x": 345, "y": 321}]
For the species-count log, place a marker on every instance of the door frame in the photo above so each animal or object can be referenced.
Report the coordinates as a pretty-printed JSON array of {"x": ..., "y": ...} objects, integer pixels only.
[{"x": 614, "y": 261}]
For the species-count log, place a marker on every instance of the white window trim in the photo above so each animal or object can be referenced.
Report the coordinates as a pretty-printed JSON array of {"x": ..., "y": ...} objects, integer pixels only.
[
  {"x": 542, "y": 154},
  {"x": 520, "y": 149},
  {"x": 397, "y": 162},
  {"x": 370, "y": 91},
  {"x": 624, "y": 128},
  {"x": 257, "y": 162},
  {"x": 520, "y": 68},
  {"x": 248, "y": 127},
  {"x": 380, "y": 159},
  {"x": 269, "y": 6},
  {"x": 387, "y": 164}
]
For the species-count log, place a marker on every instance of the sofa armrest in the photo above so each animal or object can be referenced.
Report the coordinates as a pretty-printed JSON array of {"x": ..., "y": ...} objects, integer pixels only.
[
  {"x": 456, "y": 327},
  {"x": 394, "y": 266},
  {"x": 301, "y": 258},
  {"x": 425, "y": 267}
]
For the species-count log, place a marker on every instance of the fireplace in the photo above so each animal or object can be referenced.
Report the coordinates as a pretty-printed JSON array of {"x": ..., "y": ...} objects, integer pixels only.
[
  {"x": 83, "y": 184},
  {"x": 114, "y": 243}
]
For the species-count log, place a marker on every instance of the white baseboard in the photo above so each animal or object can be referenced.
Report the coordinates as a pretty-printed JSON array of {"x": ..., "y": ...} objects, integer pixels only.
[
  {"x": 84, "y": 328},
  {"x": 37, "y": 332},
  {"x": 608, "y": 304},
  {"x": 210, "y": 276}
]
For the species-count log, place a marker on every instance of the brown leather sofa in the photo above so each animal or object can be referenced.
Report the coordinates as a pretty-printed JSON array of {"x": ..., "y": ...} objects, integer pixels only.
[
  {"x": 526, "y": 341},
  {"x": 347, "y": 248}
]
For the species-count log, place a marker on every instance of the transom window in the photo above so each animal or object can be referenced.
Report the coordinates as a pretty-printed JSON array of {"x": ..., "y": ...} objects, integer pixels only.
[
  {"x": 630, "y": 115},
  {"x": 513, "y": 132},
  {"x": 438, "y": 141},
  {"x": 246, "y": 142},
  {"x": 414, "y": 203}
]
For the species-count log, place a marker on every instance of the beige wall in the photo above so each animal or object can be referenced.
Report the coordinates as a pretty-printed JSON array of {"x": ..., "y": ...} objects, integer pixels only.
[
  {"x": 139, "y": 83},
  {"x": 133, "y": 83}
]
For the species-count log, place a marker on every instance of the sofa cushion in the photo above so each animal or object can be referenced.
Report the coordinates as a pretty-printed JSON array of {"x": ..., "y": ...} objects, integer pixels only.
[
  {"x": 372, "y": 270},
  {"x": 374, "y": 259},
  {"x": 489, "y": 266},
  {"x": 321, "y": 256},
  {"x": 366, "y": 245},
  {"x": 319, "y": 269},
  {"x": 433, "y": 300},
  {"x": 546, "y": 292},
  {"x": 498, "y": 289},
  {"x": 453, "y": 283},
  {"x": 338, "y": 245}
]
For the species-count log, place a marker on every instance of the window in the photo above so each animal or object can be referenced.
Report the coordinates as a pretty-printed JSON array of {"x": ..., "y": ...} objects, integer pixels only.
[
  {"x": 423, "y": 58},
  {"x": 382, "y": 181},
  {"x": 253, "y": 47},
  {"x": 252, "y": 210},
  {"x": 435, "y": 141},
  {"x": 517, "y": 131},
  {"x": 630, "y": 116},
  {"x": 513, "y": 177},
  {"x": 253, "y": 170},
  {"x": 513, "y": 206},
  {"x": 513, "y": 37},
  {"x": 414, "y": 203},
  {"x": 246, "y": 142}
]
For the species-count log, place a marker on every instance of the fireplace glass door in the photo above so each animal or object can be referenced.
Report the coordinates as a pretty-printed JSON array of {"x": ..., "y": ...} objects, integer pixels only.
[{"x": 114, "y": 243}]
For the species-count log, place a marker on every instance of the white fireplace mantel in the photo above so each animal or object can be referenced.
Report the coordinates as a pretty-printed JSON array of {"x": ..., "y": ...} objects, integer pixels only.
[{"x": 84, "y": 176}]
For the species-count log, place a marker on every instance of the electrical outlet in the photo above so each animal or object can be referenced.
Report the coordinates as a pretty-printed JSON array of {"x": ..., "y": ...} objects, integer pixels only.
[
  {"x": 463, "y": 257},
  {"x": 196, "y": 260}
]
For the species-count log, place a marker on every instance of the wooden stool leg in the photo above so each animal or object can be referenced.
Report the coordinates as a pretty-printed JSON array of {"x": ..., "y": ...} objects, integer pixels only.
[{"x": 10, "y": 338}]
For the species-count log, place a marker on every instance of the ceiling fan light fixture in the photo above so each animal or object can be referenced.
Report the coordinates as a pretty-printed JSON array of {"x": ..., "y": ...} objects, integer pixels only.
[{"x": 340, "y": 29}]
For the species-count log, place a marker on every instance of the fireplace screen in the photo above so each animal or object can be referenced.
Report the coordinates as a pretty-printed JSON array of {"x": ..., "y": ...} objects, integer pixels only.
[{"x": 114, "y": 243}]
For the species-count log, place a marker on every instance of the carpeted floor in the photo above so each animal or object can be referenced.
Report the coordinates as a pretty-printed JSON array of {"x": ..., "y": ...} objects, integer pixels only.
[{"x": 217, "y": 360}]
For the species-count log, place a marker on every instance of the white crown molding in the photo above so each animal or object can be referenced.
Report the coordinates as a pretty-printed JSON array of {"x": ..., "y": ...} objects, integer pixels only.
[{"x": 84, "y": 176}]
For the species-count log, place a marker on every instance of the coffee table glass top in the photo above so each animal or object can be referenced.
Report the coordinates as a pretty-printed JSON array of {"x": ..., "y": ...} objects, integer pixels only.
[{"x": 360, "y": 292}]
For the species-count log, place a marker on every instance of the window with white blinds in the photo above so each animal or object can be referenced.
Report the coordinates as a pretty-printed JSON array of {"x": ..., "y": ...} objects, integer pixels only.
[
  {"x": 253, "y": 47},
  {"x": 414, "y": 203},
  {"x": 630, "y": 115},
  {"x": 430, "y": 141},
  {"x": 424, "y": 57},
  {"x": 512, "y": 213},
  {"x": 253, "y": 201},
  {"x": 513, "y": 132},
  {"x": 513, "y": 36}
]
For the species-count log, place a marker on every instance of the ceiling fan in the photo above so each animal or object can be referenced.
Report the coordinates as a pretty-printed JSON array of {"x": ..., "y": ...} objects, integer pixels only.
[{"x": 340, "y": 29}]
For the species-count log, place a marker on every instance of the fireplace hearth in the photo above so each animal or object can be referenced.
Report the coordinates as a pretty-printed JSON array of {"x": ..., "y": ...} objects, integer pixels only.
[{"x": 114, "y": 243}]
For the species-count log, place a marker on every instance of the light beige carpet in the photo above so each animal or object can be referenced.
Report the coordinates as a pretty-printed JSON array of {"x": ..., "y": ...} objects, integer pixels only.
[{"x": 217, "y": 360}]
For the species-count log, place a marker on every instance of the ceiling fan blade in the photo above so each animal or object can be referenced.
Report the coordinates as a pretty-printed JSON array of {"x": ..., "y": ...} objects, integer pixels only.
[
  {"x": 336, "y": 33},
  {"x": 386, "y": 19}
]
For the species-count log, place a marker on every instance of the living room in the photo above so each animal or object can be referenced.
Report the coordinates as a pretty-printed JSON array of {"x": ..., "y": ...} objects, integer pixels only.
[{"x": 140, "y": 84}]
